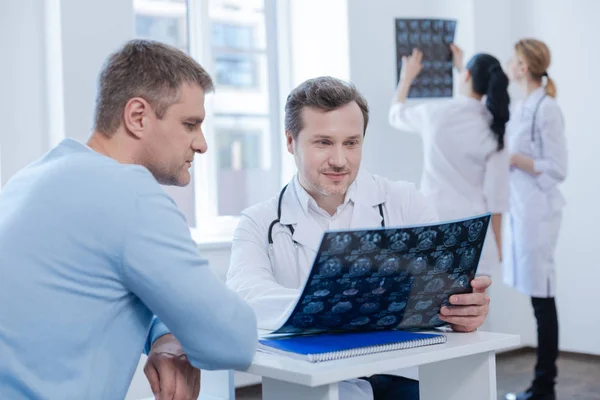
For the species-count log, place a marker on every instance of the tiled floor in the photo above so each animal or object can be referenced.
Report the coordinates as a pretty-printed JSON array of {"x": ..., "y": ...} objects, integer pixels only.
[{"x": 579, "y": 376}]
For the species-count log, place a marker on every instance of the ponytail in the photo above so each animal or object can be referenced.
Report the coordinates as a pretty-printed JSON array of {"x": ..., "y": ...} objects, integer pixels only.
[
  {"x": 550, "y": 87},
  {"x": 497, "y": 101},
  {"x": 488, "y": 79}
]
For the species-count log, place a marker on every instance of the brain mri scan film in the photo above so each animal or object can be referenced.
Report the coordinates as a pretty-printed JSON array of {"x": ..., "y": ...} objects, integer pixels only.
[
  {"x": 384, "y": 278},
  {"x": 433, "y": 38}
]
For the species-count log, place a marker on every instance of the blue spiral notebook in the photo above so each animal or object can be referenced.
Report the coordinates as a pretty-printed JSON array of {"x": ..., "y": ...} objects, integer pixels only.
[{"x": 326, "y": 347}]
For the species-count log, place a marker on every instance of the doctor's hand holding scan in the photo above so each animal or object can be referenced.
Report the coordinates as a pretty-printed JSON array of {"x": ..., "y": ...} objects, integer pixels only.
[{"x": 276, "y": 241}]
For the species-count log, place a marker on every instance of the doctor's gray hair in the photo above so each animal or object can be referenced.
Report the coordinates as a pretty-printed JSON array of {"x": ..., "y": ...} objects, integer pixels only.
[
  {"x": 143, "y": 68},
  {"x": 324, "y": 93}
]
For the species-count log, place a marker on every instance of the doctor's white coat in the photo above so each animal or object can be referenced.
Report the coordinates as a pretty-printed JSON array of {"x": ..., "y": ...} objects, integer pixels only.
[
  {"x": 535, "y": 200},
  {"x": 270, "y": 281}
]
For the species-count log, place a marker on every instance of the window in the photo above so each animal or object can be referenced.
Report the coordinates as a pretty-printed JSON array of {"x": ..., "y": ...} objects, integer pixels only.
[
  {"x": 242, "y": 128},
  {"x": 241, "y": 167},
  {"x": 164, "y": 21}
]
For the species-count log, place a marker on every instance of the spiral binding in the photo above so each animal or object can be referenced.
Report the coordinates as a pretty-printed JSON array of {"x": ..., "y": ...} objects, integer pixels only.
[{"x": 363, "y": 351}]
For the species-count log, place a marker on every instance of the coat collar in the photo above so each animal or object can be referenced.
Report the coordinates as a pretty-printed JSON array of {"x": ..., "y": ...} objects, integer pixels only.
[
  {"x": 534, "y": 97},
  {"x": 366, "y": 199}
]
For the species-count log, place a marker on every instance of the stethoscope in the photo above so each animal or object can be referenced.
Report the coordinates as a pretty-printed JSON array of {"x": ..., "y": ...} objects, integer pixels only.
[
  {"x": 535, "y": 111},
  {"x": 291, "y": 228}
]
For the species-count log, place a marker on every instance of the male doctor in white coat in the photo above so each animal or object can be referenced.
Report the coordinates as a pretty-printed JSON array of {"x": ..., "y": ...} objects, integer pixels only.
[{"x": 274, "y": 247}]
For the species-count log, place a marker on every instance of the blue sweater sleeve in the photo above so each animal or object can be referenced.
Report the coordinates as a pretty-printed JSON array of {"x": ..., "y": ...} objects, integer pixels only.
[
  {"x": 162, "y": 266},
  {"x": 157, "y": 329}
]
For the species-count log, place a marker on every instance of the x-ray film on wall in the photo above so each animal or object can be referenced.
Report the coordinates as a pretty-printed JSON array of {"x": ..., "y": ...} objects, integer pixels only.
[{"x": 433, "y": 38}]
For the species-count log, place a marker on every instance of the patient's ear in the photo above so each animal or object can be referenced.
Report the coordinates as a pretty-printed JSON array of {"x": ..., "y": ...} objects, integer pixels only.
[{"x": 137, "y": 116}]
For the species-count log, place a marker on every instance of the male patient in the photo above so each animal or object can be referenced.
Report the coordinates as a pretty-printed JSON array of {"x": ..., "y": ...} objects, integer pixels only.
[
  {"x": 276, "y": 241},
  {"x": 91, "y": 248}
]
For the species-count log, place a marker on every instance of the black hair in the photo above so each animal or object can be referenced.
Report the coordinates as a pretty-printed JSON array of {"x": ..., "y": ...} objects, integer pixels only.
[{"x": 489, "y": 80}]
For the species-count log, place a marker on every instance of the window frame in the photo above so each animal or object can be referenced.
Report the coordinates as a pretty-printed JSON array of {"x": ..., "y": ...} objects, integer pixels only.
[{"x": 210, "y": 228}]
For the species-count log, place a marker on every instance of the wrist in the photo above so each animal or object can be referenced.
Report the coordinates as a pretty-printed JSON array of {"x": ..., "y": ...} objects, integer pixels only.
[{"x": 166, "y": 343}]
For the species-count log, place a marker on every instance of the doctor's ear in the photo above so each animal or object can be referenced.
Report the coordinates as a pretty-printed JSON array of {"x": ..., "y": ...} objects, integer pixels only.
[
  {"x": 289, "y": 139},
  {"x": 467, "y": 75}
]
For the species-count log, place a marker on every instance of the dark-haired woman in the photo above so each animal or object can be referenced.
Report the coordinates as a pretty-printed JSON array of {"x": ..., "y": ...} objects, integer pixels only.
[{"x": 466, "y": 165}]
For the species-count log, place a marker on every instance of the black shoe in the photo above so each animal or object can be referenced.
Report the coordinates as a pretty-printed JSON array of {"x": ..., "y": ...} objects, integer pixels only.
[{"x": 530, "y": 394}]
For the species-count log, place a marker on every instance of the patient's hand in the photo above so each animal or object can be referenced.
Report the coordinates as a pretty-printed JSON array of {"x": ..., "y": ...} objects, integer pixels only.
[
  {"x": 169, "y": 372},
  {"x": 468, "y": 311}
]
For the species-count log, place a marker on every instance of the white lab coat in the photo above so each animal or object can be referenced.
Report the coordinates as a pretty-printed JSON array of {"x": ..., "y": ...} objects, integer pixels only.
[
  {"x": 463, "y": 172},
  {"x": 535, "y": 201},
  {"x": 271, "y": 281}
]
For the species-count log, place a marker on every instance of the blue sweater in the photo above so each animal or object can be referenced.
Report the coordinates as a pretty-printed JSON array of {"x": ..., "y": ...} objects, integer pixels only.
[{"x": 90, "y": 250}]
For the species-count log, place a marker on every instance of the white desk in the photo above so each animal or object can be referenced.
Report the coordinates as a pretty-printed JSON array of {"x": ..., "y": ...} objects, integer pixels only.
[{"x": 463, "y": 368}]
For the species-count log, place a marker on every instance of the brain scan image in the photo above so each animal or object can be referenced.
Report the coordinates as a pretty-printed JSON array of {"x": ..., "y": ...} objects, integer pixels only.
[
  {"x": 444, "y": 299},
  {"x": 415, "y": 319},
  {"x": 467, "y": 259},
  {"x": 369, "y": 308},
  {"x": 359, "y": 321},
  {"x": 410, "y": 273},
  {"x": 436, "y": 321},
  {"x": 452, "y": 236},
  {"x": 396, "y": 306},
  {"x": 387, "y": 320},
  {"x": 390, "y": 266},
  {"x": 432, "y": 37},
  {"x": 321, "y": 293},
  {"x": 423, "y": 305},
  {"x": 360, "y": 267},
  {"x": 444, "y": 262},
  {"x": 342, "y": 307},
  {"x": 379, "y": 290},
  {"x": 303, "y": 320},
  {"x": 435, "y": 285},
  {"x": 331, "y": 320},
  {"x": 418, "y": 265},
  {"x": 426, "y": 239},
  {"x": 339, "y": 242},
  {"x": 314, "y": 307},
  {"x": 462, "y": 282},
  {"x": 330, "y": 268},
  {"x": 399, "y": 241},
  {"x": 370, "y": 241},
  {"x": 427, "y": 278},
  {"x": 475, "y": 230}
]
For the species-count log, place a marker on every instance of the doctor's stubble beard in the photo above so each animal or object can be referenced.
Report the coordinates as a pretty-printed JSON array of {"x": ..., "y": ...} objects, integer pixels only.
[{"x": 338, "y": 191}]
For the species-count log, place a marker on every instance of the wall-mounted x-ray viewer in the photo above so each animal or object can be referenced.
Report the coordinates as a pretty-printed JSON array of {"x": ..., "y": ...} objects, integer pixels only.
[{"x": 433, "y": 38}]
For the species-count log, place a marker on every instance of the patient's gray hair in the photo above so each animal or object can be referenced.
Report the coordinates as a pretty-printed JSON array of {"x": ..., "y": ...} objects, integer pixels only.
[{"x": 142, "y": 68}]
